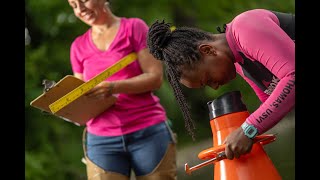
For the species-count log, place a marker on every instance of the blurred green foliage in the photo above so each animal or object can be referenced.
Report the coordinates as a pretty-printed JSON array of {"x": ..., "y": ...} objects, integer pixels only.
[{"x": 53, "y": 148}]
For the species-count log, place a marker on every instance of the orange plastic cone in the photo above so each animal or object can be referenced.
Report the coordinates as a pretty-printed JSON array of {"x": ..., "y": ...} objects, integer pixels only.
[{"x": 227, "y": 113}]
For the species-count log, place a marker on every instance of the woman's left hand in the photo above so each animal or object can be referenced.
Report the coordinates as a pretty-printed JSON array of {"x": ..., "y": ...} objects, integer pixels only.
[{"x": 237, "y": 144}]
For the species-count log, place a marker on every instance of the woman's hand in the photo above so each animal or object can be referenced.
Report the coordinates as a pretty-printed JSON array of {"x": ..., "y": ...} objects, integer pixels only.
[
  {"x": 102, "y": 90},
  {"x": 237, "y": 144}
]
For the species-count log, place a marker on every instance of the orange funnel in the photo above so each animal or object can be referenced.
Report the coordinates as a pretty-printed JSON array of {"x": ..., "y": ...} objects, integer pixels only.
[{"x": 227, "y": 113}]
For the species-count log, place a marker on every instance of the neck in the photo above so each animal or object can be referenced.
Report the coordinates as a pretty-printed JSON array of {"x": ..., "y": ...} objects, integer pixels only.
[{"x": 108, "y": 21}]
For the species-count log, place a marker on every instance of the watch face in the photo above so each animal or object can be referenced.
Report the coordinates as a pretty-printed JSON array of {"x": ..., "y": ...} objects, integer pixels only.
[{"x": 251, "y": 131}]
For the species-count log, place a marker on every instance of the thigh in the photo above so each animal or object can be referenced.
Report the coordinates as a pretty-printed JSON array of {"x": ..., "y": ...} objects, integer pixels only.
[
  {"x": 108, "y": 153},
  {"x": 148, "y": 147}
]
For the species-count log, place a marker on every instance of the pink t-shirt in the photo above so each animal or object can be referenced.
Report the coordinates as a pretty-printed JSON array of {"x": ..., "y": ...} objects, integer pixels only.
[
  {"x": 267, "y": 63},
  {"x": 131, "y": 112}
]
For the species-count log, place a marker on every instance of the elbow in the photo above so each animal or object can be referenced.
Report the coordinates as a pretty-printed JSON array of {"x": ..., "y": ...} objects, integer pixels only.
[{"x": 157, "y": 82}]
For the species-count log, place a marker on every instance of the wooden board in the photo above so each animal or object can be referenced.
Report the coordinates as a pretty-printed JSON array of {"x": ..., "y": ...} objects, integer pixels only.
[{"x": 80, "y": 110}]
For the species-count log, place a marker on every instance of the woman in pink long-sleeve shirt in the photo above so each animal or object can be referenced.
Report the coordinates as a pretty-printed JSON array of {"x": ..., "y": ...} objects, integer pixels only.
[{"x": 257, "y": 44}]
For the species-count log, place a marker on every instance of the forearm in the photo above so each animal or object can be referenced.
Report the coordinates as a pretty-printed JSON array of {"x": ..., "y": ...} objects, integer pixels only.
[
  {"x": 139, "y": 84},
  {"x": 280, "y": 102}
]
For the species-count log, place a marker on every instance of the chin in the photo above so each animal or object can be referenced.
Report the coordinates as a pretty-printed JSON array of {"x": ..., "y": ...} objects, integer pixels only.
[
  {"x": 234, "y": 76},
  {"x": 90, "y": 22}
]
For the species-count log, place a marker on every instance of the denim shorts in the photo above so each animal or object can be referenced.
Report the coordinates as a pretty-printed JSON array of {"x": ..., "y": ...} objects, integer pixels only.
[{"x": 140, "y": 151}]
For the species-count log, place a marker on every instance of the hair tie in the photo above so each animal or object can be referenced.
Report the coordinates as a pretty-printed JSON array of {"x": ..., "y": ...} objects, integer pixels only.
[
  {"x": 172, "y": 28},
  {"x": 224, "y": 26}
]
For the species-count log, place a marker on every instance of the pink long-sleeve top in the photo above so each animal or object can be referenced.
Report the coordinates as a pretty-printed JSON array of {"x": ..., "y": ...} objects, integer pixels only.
[
  {"x": 131, "y": 112},
  {"x": 265, "y": 58}
]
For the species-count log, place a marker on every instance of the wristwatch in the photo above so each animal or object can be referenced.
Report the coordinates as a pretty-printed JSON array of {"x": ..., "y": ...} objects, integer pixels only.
[{"x": 249, "y": 130}]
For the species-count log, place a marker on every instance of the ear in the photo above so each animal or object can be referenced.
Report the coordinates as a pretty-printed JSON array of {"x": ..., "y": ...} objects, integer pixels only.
[{"x": 206, "y": 49}]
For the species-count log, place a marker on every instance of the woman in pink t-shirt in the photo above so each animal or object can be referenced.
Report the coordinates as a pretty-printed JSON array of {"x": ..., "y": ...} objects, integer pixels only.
[
  {"x": 257, "y": 44},
  {"x": 133, "y": 134}
]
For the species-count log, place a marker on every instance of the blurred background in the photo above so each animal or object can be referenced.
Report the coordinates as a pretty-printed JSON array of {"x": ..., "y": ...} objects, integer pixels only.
[{"x": 53, "y": 147}]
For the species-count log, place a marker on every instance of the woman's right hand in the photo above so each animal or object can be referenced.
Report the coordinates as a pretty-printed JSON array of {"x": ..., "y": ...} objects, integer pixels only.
[{"x": 102, "y": 90}]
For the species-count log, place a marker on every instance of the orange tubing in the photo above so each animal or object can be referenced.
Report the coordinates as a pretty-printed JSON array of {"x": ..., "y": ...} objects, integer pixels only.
[{"x": 255, "y": 165}]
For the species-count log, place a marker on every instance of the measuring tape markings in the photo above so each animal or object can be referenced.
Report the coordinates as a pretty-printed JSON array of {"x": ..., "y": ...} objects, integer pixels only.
[{"x": 83, "y": 88}]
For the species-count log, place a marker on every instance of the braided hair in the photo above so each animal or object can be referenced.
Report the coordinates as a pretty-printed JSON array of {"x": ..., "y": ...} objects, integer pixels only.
[{"x": 177, "y": 48}]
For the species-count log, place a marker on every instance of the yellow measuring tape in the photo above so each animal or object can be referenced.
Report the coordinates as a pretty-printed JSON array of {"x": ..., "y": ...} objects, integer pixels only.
[{"x": 85, "y": 87}]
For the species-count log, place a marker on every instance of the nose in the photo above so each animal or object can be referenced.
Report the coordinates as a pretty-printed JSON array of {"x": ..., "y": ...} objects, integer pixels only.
[
  {"x": 79, "y": 9},
  {"x": 214, "y": 86}
]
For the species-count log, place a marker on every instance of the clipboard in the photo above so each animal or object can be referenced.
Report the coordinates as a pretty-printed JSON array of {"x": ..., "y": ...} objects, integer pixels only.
[{"x": 79, "y": 111}]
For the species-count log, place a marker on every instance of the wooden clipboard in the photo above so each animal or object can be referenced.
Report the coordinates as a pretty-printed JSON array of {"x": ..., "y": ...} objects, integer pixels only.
[{"x": 78, "y": 111}]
